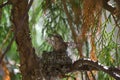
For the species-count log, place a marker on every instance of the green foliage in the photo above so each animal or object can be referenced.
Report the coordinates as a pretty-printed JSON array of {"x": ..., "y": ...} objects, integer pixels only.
[
  {"x": 13, "y": 53},
  {"x": 4, "y": 22},
  {"x": 54, "y": 20},
  {"x": 16, "y": 77},
  {"x": 104, "y": 76}
]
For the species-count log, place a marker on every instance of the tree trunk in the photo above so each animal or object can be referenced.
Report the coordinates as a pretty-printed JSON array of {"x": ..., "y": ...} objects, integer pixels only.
[{"x": 28, "y": 58}]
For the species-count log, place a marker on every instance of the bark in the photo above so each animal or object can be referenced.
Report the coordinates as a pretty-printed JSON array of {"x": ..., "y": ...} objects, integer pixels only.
[{"x": 28, "y": 58}]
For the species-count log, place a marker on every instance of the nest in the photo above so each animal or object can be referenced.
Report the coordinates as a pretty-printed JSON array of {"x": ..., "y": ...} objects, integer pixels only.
[{"x": 55, "y": 63}]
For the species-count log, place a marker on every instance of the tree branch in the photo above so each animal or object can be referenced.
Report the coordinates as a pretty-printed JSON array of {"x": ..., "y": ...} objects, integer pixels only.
[
  {"x": 69, "y": 19},
  {"x": 26, "y": 12},
  {"x": 74, "y": 34},
  {"x": 7, "y": 49},
  {"x": 28, "y": 58},
  {"x": 87, "y": 64}
]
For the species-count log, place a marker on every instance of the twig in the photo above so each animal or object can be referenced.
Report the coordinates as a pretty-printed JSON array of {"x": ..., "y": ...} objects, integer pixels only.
[
  {"x": 116, "y": 22},
  {"x": 7, "y": 49},
  {"x": 108, "y": 7},
  {"x": 87, "y": 76},
  {"x": 92, "y": 75},
  {"x": 69, "y": 19},
  {"x": 6, "y": 38},
  {"x": 74, "y": 34},
  {"x": 81, "y": 75},
  {"x": 4, "y": 4},
  {"x": 27, "y": 10}
]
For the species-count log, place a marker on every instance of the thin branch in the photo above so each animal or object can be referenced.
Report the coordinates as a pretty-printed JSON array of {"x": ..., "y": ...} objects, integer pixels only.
[
  {"x": 69, "y": 19},
  {"x": 6, "y": 38},
  {"x": 116, "y": 22},
  {"x": 74, "y": 34},
  {"x": 87, "y": 76},
  {"x": 93, "y": 75},
  {"x": 7, "y": 49},
  {"x": 27, "y": 10},
  {"x": 4, "y": 4},
  {"x": 108, "y": 7}
]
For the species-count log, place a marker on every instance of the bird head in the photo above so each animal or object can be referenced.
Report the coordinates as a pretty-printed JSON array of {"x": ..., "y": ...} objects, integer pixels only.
[{"x": 57, "y": 42}]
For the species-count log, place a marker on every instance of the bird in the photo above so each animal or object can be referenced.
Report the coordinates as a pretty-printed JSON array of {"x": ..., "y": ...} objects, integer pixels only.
[
  {"x": 56, "y": 62},
  {"x": 58, "y": 43}
]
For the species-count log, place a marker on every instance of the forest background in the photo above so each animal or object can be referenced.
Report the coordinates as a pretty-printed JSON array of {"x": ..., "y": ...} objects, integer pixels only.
[{"x": 92, "y": 26}]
